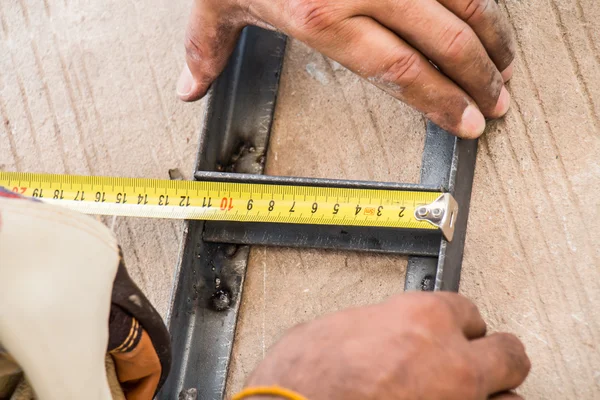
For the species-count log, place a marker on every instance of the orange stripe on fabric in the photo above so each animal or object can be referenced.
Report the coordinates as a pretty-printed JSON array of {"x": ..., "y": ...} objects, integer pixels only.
[{"x": 132, "y": 331}]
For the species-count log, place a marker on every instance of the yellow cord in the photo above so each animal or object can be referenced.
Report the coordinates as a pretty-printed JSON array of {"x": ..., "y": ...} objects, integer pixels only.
[{"x": 271, "y": 391}]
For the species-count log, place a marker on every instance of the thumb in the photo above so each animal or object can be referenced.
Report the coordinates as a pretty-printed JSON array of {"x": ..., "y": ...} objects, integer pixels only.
[{"x": 210, "y": 39}]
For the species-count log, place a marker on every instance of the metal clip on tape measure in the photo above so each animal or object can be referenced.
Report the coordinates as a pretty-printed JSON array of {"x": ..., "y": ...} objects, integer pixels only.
[{"x": 242, "y": 202}]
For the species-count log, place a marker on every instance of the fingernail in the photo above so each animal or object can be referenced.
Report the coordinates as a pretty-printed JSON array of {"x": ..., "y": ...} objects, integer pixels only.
[
  {"x": 472, "y": 124},
  {"x": 508, "y": 72},
  {"x": 185, "y": 82},
  {"x": 503, "y": 103}
]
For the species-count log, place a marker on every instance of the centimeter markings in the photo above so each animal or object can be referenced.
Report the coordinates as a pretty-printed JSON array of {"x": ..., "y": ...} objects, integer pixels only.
[{"x": 224, "y": 201}]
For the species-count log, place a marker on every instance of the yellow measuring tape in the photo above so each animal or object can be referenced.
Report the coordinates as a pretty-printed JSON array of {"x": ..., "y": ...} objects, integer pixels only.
[{"x": 225, "y": 201}]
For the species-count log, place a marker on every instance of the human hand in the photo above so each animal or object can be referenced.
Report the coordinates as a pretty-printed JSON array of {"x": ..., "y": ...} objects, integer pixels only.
[
  {"x": 414, "y": 346},
  {"x": 389, "y": 43}
]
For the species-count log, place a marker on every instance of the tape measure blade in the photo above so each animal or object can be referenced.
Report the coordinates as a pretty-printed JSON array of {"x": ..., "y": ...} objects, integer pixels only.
[{"x": 225, "y": 201}]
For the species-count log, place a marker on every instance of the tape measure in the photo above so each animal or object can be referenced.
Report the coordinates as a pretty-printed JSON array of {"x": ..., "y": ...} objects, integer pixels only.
[{"x": 242, "y": 202}]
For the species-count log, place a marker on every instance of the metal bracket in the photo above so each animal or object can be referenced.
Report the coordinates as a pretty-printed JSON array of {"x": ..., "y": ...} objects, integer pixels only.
[
  {"x": 441, "y": 213},
  {"x": 209, "y": 278}
]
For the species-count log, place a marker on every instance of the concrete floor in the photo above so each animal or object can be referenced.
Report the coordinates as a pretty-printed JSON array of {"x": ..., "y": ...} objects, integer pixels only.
[{"x": 87, "y": 87}]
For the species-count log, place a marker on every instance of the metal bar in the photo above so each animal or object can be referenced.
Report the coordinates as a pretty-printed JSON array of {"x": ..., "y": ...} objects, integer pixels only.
[
  {"x": 420, "y": 274},
  {"x": 438, "y": 154},
  {"x": 450, "y": 163},
  {"x": 368, "y": 239},
  {"x": 381, "y": 240},
  {"x": 314, "y": 182},
  {"x": 209, "y": 278},
  {"x": 460, "y": 185},
  {"x": 437, "y": 159}
]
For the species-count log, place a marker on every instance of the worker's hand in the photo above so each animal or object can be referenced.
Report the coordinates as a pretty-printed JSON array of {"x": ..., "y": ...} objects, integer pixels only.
[
  {"x": 388, "y": 42},
  {"x": 414, "y": 346}
]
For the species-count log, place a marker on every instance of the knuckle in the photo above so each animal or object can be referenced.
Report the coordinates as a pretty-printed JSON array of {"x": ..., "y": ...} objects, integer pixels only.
[
  {"x": 428, "y": 302},
  {"x": 200, "y": 53},
  {"x": 311, "y": 15},
  {"x": 515, "y": 351},
  {"x": 474, "y": 9},
  {"x": 193, "y": 47},
  {"x": 509, "y": 45},
  {"x": 510, "y": 341},
  {"x": 456, "y": 43},
  {"x": 404, "y": 70},
  {"x": 442, "y": 302},
  {"x": 471, "y": 309},
  {"x": 440, "y": 312}
]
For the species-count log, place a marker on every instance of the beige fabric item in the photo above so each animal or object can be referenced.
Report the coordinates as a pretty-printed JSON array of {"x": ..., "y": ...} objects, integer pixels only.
[
  {"x": 113, "y": 382},
  {"x": 56, "y": 273}
]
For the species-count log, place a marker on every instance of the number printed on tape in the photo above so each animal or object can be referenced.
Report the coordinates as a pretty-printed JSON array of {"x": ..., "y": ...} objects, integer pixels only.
[{"x": 224, "y": 201}]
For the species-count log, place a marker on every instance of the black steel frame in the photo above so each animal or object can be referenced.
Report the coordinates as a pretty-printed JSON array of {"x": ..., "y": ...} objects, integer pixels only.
[{"x": 234, "y": 141}]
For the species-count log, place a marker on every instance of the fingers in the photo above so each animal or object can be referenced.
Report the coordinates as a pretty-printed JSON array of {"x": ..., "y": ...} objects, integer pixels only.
[
  {"x": 446, "y": 309},
  {"x": 502, "y": 361},
  {"x": 450, "y": 43},
  {"x": 508, "y": 72},
  {"x": 468, "y": 41},
  {"x": 465, "y": 313},
  {"x": 210, "y": 39},
  {"x": 381, "y": 57},
  {"x": 492, "y": 29}
]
